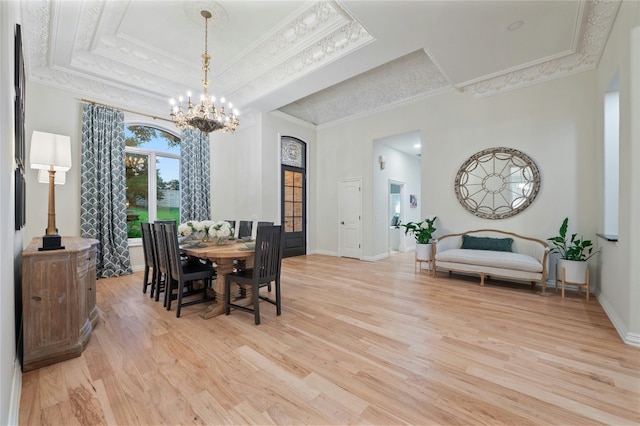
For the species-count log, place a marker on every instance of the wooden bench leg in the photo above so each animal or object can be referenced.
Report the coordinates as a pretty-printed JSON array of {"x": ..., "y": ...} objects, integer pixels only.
[{"x": 482, "y": 278}]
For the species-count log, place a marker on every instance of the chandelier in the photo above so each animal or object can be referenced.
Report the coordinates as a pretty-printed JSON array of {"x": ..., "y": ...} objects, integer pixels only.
[{"x": 204, "y": 115}]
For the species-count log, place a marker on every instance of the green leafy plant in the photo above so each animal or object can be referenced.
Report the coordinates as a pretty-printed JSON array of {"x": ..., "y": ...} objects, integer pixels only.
[
  {"x": 422, "y": 231},
  {"x": 573, "y": 248}
]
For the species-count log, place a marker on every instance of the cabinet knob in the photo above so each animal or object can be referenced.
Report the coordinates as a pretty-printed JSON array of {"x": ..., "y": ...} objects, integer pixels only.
[{"x": 36, "y": 298}]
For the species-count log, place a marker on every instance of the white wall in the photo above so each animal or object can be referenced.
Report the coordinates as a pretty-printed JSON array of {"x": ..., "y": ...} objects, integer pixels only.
[
  {"x": 245, "y": 178},
  {"x": 55, "y": 111},
  {"x": 11, "y": 247},
  {"x": 551, "y": 122},
  {"x": 235, "y": 169},
  {"x": 619, "y": 287}
]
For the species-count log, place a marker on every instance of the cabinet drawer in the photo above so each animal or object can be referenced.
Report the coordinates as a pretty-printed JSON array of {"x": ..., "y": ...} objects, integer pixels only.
[{"x": 83, "y": 262}]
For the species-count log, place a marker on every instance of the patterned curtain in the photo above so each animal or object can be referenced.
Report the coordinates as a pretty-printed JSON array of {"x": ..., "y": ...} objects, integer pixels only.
[
  {"x": 195, "y": 176},
  {"x": 102, "y": 193}
]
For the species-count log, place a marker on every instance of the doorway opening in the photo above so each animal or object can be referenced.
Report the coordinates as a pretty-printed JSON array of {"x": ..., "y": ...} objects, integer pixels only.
[
  {"x": 396, "y": 161},
  {"x": 396, "y": 241}
]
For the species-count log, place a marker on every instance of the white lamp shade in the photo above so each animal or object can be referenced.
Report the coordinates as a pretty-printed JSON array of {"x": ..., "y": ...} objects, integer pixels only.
[
  {"x": 50, "y": 151},
  {"x": 43, "y": 177}
]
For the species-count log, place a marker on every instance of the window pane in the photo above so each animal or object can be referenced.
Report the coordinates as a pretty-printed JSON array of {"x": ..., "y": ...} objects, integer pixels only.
[
  {"x": 168, "y": 188},
  {"x": 152, "y": 171},
  {"x": 137, "y": 175},
  {"x": 151, "y": 139},
  {"x": 288, "y": 208},
  {"x": 288, "y": 178},
  {"x": 292, "y": 152},
  {"x": 288, "y": 225}
]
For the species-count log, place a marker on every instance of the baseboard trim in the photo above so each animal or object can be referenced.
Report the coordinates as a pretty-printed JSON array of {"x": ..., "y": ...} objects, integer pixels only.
[
  {"x": 323, "y": 252},
  {"x": 376, "y": 258},
  {"x": 16, "y": 391},
  {"x": 632, "y": 339}
]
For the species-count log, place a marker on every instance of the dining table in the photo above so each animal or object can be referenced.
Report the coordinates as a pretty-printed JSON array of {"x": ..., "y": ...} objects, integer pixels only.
[{"x": 223, "y": 257}]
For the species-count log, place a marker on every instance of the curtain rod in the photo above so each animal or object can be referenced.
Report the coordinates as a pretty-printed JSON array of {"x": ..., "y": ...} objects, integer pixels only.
[{"x": 125, "y": 110}]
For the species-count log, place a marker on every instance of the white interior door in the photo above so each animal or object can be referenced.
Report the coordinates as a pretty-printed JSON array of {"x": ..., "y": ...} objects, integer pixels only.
[{"x": 350, "y": 217}]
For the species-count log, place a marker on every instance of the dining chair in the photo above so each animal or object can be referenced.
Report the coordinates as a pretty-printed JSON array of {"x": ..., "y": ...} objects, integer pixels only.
[
  {"x": 162, "y": 260},
  {"x": 267, "y": 263},
  {"x": 150, "y": 264},
  {"x": 262, "y": 223},
  {"x": 244, "y": 228},
  {"x": 169, "y": 221},
  {"x": 183, "y": 274},
  {"x": 232, "y": 223}
]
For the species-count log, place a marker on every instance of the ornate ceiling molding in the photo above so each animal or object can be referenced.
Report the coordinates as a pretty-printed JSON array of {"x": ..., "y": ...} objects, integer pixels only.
[
  {"x": 597, "y": 21},
  {"x": 317, "y": 34},
  {"x": 116, "y": 69},
  {"x": 311, "y": 25},
  {"x": 192, "y": 9},
  {"x": 407, "y": 79},
  {"x": 350, "y": 36}
]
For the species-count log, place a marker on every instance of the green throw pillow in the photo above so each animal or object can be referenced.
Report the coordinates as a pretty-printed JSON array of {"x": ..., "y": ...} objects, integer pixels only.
[{"x": 485, "y": 243}]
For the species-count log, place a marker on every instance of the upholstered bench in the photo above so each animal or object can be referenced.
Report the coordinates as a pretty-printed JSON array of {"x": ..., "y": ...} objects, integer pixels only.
[{"x": 490, "y": 252}]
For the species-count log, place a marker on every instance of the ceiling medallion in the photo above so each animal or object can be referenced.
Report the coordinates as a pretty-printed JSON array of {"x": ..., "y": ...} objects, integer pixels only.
[
  {"x": 204, "y": 116},
  {"x": 497, "y": 183}
]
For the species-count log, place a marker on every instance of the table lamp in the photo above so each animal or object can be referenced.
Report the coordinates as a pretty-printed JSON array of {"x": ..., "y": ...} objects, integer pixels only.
[{"x": 51, "y": 153}]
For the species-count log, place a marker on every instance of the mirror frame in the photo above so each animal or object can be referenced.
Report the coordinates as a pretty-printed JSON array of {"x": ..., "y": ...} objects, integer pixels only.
[{"x": 497, "y": 201}]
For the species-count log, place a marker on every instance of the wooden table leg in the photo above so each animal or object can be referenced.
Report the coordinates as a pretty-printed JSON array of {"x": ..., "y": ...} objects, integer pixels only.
[{"x": 224, "y": 267}]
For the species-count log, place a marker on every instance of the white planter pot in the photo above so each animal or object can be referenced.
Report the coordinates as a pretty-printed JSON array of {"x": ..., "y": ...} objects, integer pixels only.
[
  {"x": 575, "y": 272},
  {"x": 424, "y": 251}
]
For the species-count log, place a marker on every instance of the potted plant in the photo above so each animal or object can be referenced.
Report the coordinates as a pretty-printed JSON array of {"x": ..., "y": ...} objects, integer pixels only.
[
  {"x": 574, "y": 252},
  {"x": 423, "y": 233}
]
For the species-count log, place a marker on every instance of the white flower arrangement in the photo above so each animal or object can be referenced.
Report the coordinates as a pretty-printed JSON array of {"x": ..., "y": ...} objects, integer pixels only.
[
  {"x": 208, "y": 228},
  {"x": 186, "y": 229},
  {"x": 221, "y": 229},
  {"x": 197, "y": 226}
]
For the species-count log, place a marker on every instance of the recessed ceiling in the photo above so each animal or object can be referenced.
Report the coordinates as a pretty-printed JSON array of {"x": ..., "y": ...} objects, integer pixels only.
[{"x": 320, "y": 61}]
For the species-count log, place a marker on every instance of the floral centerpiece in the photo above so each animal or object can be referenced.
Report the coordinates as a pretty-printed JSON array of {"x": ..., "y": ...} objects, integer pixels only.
[
  {"x": 187, "y": 230},
  {"x": 206, "y": 230},
  {"x": 220, "y": 232}
]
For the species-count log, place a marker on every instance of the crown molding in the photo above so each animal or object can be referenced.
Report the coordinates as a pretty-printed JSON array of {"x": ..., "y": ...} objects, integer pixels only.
[{"x": 598, "y": 18}]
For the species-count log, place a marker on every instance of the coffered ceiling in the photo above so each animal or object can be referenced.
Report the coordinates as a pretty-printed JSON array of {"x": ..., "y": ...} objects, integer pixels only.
[{"x": 320, "y": 61}]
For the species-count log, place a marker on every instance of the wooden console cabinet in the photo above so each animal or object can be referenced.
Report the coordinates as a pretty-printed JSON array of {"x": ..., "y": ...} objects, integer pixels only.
[{"x": 58, "y": 300}]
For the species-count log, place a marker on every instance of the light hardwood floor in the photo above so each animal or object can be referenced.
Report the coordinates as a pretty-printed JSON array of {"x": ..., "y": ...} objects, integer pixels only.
[{"x": 357, "y": 342}]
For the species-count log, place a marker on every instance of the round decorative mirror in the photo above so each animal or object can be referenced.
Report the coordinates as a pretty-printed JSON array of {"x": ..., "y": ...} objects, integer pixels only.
[{"x": 497, "y": 183}]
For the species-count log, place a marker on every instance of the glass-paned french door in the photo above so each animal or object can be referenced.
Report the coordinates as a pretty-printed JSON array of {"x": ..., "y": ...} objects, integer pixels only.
[{"x": 294, "y": 208}]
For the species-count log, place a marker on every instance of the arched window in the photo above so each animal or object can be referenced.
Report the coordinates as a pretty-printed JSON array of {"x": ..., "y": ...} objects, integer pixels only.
[{"x": 153, "y": 176}]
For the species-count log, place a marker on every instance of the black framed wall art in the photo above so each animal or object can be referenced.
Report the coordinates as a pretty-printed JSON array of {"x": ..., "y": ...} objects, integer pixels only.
[
  {"x": 20, "y": 86},
  {"x": 20, "y": 214}
]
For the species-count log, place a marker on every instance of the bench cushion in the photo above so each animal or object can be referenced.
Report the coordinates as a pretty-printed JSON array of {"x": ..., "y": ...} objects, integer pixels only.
[
  {"x": 495, "y": 259},
  {"x": 485, "y": 243}
]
